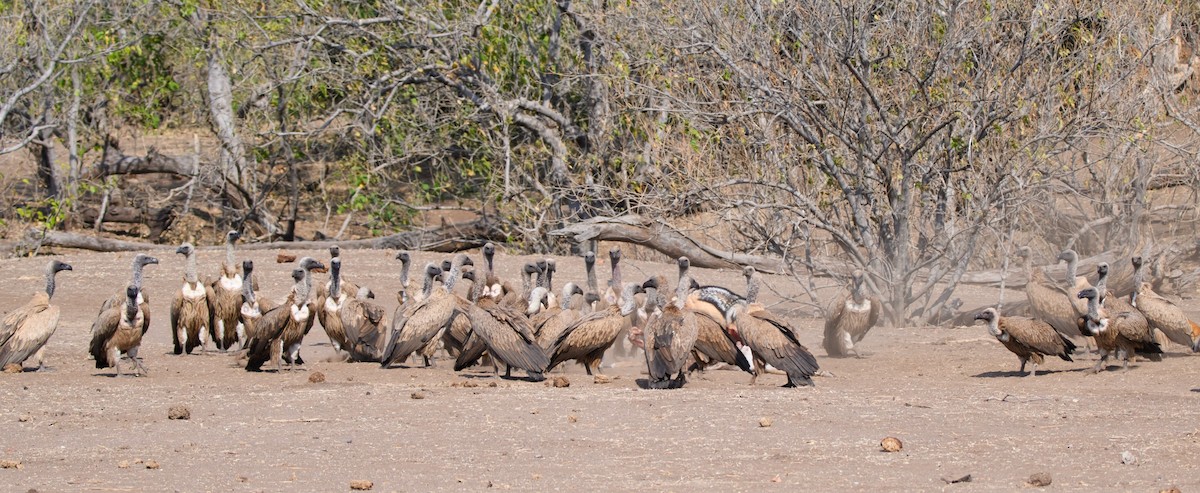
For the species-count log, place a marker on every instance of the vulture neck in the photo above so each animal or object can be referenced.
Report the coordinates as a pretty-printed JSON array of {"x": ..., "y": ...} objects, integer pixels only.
[
  {"x": 752, "y": 288},
  {"x": 190, "y": 274},
  {"x": 628, "y": 304},
  {"x": 248, "y": 290},
  {"x": 1072, "y": 269},
  {"x": 427, "y": 288},
  {"x": 303, "y": 286},
  {"x": 455, "y": 271},
  {"x": 131, "y": 308},
  {"x": 137, "y": 272},
  {"x": 50, "y": 281},
  {"x": 590, "y": 266},
  {"x": 229, "y": 259},
  {"x": 335, "y": 280}
]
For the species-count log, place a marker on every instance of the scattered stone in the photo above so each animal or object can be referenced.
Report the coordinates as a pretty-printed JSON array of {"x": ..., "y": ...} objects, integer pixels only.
[
  {"x": 492, "y": 384},
  {"x": 1128, "y": 458},
  {"x": 765, "y": 422},
  {"x": 571, "y": 418},
  {"x": 24, "y": 418},
  {"x": 179, "y": 411},
  {"x": 152, "y": 464},
  {"x": 418, "y": 395},
  {"x": 11, "y": 464},
  {"x": 243, "y": 479},
  {"x": 1173, "y": 489},
  {"x": 891, "y": 444},
  {"x": 13, "y": 368},
  {"x": 285, "y": 258},
  {"x": 316, "y": 377},
  {"x": 123, "y": 464},
  {"x": 361, "y": 484},
  {"x": 602, "y": 379},
  {"x": 776, "y": 479},
  {"x": 1039, "y": 479},
  {"x": 469, "y": 384},
  {"x": 558, "y": 382}
]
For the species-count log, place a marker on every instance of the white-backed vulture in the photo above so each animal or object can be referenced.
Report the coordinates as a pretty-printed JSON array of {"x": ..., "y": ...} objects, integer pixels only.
[
  {"x": 454, "y": 334},
  {"x": 713, "y": 343},
  {"x": 24, "y": 331},
  {"x": 513, "y": 299},
  {"x": 670, "y": 336},
  {"x": 588, "y": 338},
  {"x": 591, "y": 295},
  {"x": 773, "y": 340},
  {"x": 424, "y": 321},
  {"x": 324, "y": 291},
  {"x": 119, "y": 330},
  {"x": 226, "y": 300},
  {"x": 366, "y": 336},
  {"x": 140, "y": 261},
  {"x": 849, "y": 318},
  {"x": 190, "y": 309},
  {"x": 405, "y": 291},
  {"x": 548, "y": 324},
  {"x": 1048, "y": 302},
  {"x": 505, "y": 334},
  {"x": 1073, "y": 281},
  {"x": 283, "y": 328},
  {"x": 329, "y": 307},
  {"x": 1161, "y": 313},
  {"x": 1028, "y": 338},
  {"x": 1166, "y": 317},
  {"x": 252, "y": 307},
  {"x": 1124, "y": 333}
]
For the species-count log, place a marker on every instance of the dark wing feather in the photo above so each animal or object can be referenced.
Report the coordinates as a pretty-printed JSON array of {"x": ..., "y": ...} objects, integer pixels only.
[{"x": 103, "y": 329}]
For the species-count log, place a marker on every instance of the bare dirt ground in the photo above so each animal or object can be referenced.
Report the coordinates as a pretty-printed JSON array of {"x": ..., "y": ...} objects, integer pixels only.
[{"x": 950, "y": 394}]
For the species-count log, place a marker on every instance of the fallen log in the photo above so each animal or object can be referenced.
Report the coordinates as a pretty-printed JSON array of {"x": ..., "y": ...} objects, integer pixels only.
[
  {"x": 660, "y": 236},
  {"x": 445, "y": 238}
]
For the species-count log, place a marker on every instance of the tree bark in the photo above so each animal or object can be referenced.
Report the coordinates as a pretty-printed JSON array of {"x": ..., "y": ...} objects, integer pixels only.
[{"x": 661, "y": 237}]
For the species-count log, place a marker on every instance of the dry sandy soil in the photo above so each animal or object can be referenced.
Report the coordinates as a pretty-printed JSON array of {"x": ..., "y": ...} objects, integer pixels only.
[{"x": 950, "y": 394}]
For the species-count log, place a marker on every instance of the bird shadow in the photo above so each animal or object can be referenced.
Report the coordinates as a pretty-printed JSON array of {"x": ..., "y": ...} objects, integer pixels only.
[
  {"x": 1015, "y": 373},
  {"x": 645, "y": 384}
]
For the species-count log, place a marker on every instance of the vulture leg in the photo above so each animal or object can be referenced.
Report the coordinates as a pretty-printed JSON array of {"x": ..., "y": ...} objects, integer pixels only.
[
  {"x": 1023, "y": 361},
  {"x": 40, "y": 357},
  {"x": 1032, "y": 369},
  {"x": 507, "y": 371},
  {"x": 1100, "y": 361},
  {"x": 137, "y": 364},
  {"x": 1124, "y": 356}
]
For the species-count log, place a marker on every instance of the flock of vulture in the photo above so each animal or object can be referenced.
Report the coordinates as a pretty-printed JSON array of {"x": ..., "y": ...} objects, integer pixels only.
[
  {"x": 1078, "y": 309},
  {"x": 534, "y": 328}
]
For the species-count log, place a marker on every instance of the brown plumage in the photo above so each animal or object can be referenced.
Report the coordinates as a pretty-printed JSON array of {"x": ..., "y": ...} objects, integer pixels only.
[
  {"x": 190, "y": 309},
  {"x": 713, "y": 343},
  {"x": 24, "y": 331},
  {"x": 140, "y": 261},
  {"x": 550, "y": 323},
  {"x": 1028, "y": 338},
  {"x": 278, "y": 333},
  {"x": 329, "y": 300},
  {"x": 849, "y": 318},
  {"x": 1124, "y": 333},
  {"x": 226, "y": 300},
  {"x": 588, "y": 338},
  {"x": 506, "y": 335},
  {"x": 363, "y": 322},
  {"x": 1049, "y": 302},
  {"x": 252, "y": 308},
  {"x": 1165, "y": 316},
  {"x": 454, "y": 334},
  {"x": 519, "y": 300},
  {"x": 330, "y": 303},
  {"x": 425, "y": 320},
  {"x": 773, "y": 340},
  {"x": 671, "y": 335},
  {"x": 119, "y": 330}
]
